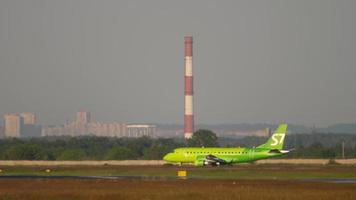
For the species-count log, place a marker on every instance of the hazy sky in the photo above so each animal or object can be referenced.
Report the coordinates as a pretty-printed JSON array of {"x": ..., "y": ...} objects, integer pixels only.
[{"x": 254, "y": 61}]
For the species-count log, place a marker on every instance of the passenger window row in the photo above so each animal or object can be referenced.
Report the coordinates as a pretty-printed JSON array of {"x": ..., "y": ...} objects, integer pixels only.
[{"x": 217, "y": 152}]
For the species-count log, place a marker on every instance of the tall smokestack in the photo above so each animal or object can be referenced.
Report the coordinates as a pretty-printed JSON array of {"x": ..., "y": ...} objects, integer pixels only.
[{"x": 188, "y": 102}]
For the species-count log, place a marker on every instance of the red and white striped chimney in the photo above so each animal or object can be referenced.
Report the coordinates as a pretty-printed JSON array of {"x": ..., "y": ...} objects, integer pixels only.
[{"x": 188, "y": 100}]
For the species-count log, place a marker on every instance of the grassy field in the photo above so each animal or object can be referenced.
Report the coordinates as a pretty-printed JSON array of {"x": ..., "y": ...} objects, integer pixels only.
[
  {"x": 267, "y": 182},
  {"x": 68, "y": 189},
  {"x": 265, "y": 172}
]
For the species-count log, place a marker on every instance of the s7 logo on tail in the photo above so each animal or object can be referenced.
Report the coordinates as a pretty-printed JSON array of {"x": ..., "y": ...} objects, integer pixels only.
[{"x": 277, "y": 140}]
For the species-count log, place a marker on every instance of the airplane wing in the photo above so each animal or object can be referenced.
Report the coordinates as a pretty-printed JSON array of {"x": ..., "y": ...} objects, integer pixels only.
[{"x": 213, "y": 160}]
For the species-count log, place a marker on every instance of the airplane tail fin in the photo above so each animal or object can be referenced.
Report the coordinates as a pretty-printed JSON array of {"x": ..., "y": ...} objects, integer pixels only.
[{"x": 276, "y": 141}]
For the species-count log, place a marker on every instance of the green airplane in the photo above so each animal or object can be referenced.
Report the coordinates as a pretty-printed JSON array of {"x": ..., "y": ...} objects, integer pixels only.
[{"x": 227, "y": 156}]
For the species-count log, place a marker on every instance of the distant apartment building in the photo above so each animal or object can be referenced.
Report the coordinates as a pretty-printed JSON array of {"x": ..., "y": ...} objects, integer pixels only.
[
  {"x": 113, "y": 129},
  {"x": 54, "y": 130},
  {"x": 13, "y": 125},
  {"x": 82, "y": 120},
  {"x": 1, "y": 132},
  {"x": 83, "y": 125},
  {"x": 21, "y": 125},
  {"x": 28, "y": 118},
  {"x": 268, "y": 132},
  {"x": 83, "y": 117},
  {"x": 31, "y": 130}
]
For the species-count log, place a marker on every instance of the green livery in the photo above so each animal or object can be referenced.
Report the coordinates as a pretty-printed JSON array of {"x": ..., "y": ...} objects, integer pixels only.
[{"x": 221, "y": 156}]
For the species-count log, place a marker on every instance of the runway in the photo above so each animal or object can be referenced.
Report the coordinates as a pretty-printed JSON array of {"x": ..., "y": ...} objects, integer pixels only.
[
  {"x": 162, "y": 178},
  {"x": 90, "y": 177},
  {"x": 161, "y": 162}
]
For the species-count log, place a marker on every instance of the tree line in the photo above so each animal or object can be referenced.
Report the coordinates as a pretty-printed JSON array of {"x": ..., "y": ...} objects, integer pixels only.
[
  {"x": 104, "y": 148},
  {"x": 85, "y": 148}
]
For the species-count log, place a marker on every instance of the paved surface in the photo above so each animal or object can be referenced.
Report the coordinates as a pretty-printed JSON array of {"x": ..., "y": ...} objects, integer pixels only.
[
  {"x": 161, "y": 162},
  {"x": 158, "y": 178}
]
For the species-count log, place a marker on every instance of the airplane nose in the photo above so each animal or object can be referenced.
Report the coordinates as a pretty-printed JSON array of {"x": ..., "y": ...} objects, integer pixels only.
[{"x": 167, "y": 157}]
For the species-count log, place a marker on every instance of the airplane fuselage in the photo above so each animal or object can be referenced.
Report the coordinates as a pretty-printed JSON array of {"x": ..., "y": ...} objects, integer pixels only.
[
  {"x": 221, "y": 156},
  {"x": 198, "y": 156}
]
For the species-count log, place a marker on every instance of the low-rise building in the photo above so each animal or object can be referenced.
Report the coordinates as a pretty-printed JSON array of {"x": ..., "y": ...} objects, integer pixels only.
[{"x": 139, "y": 130}]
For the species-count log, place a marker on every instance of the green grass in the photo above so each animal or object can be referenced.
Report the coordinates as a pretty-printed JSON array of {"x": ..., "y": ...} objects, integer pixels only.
[
  {"x": 79, "y": 189},
  {"x": 268, "y": 172}
]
